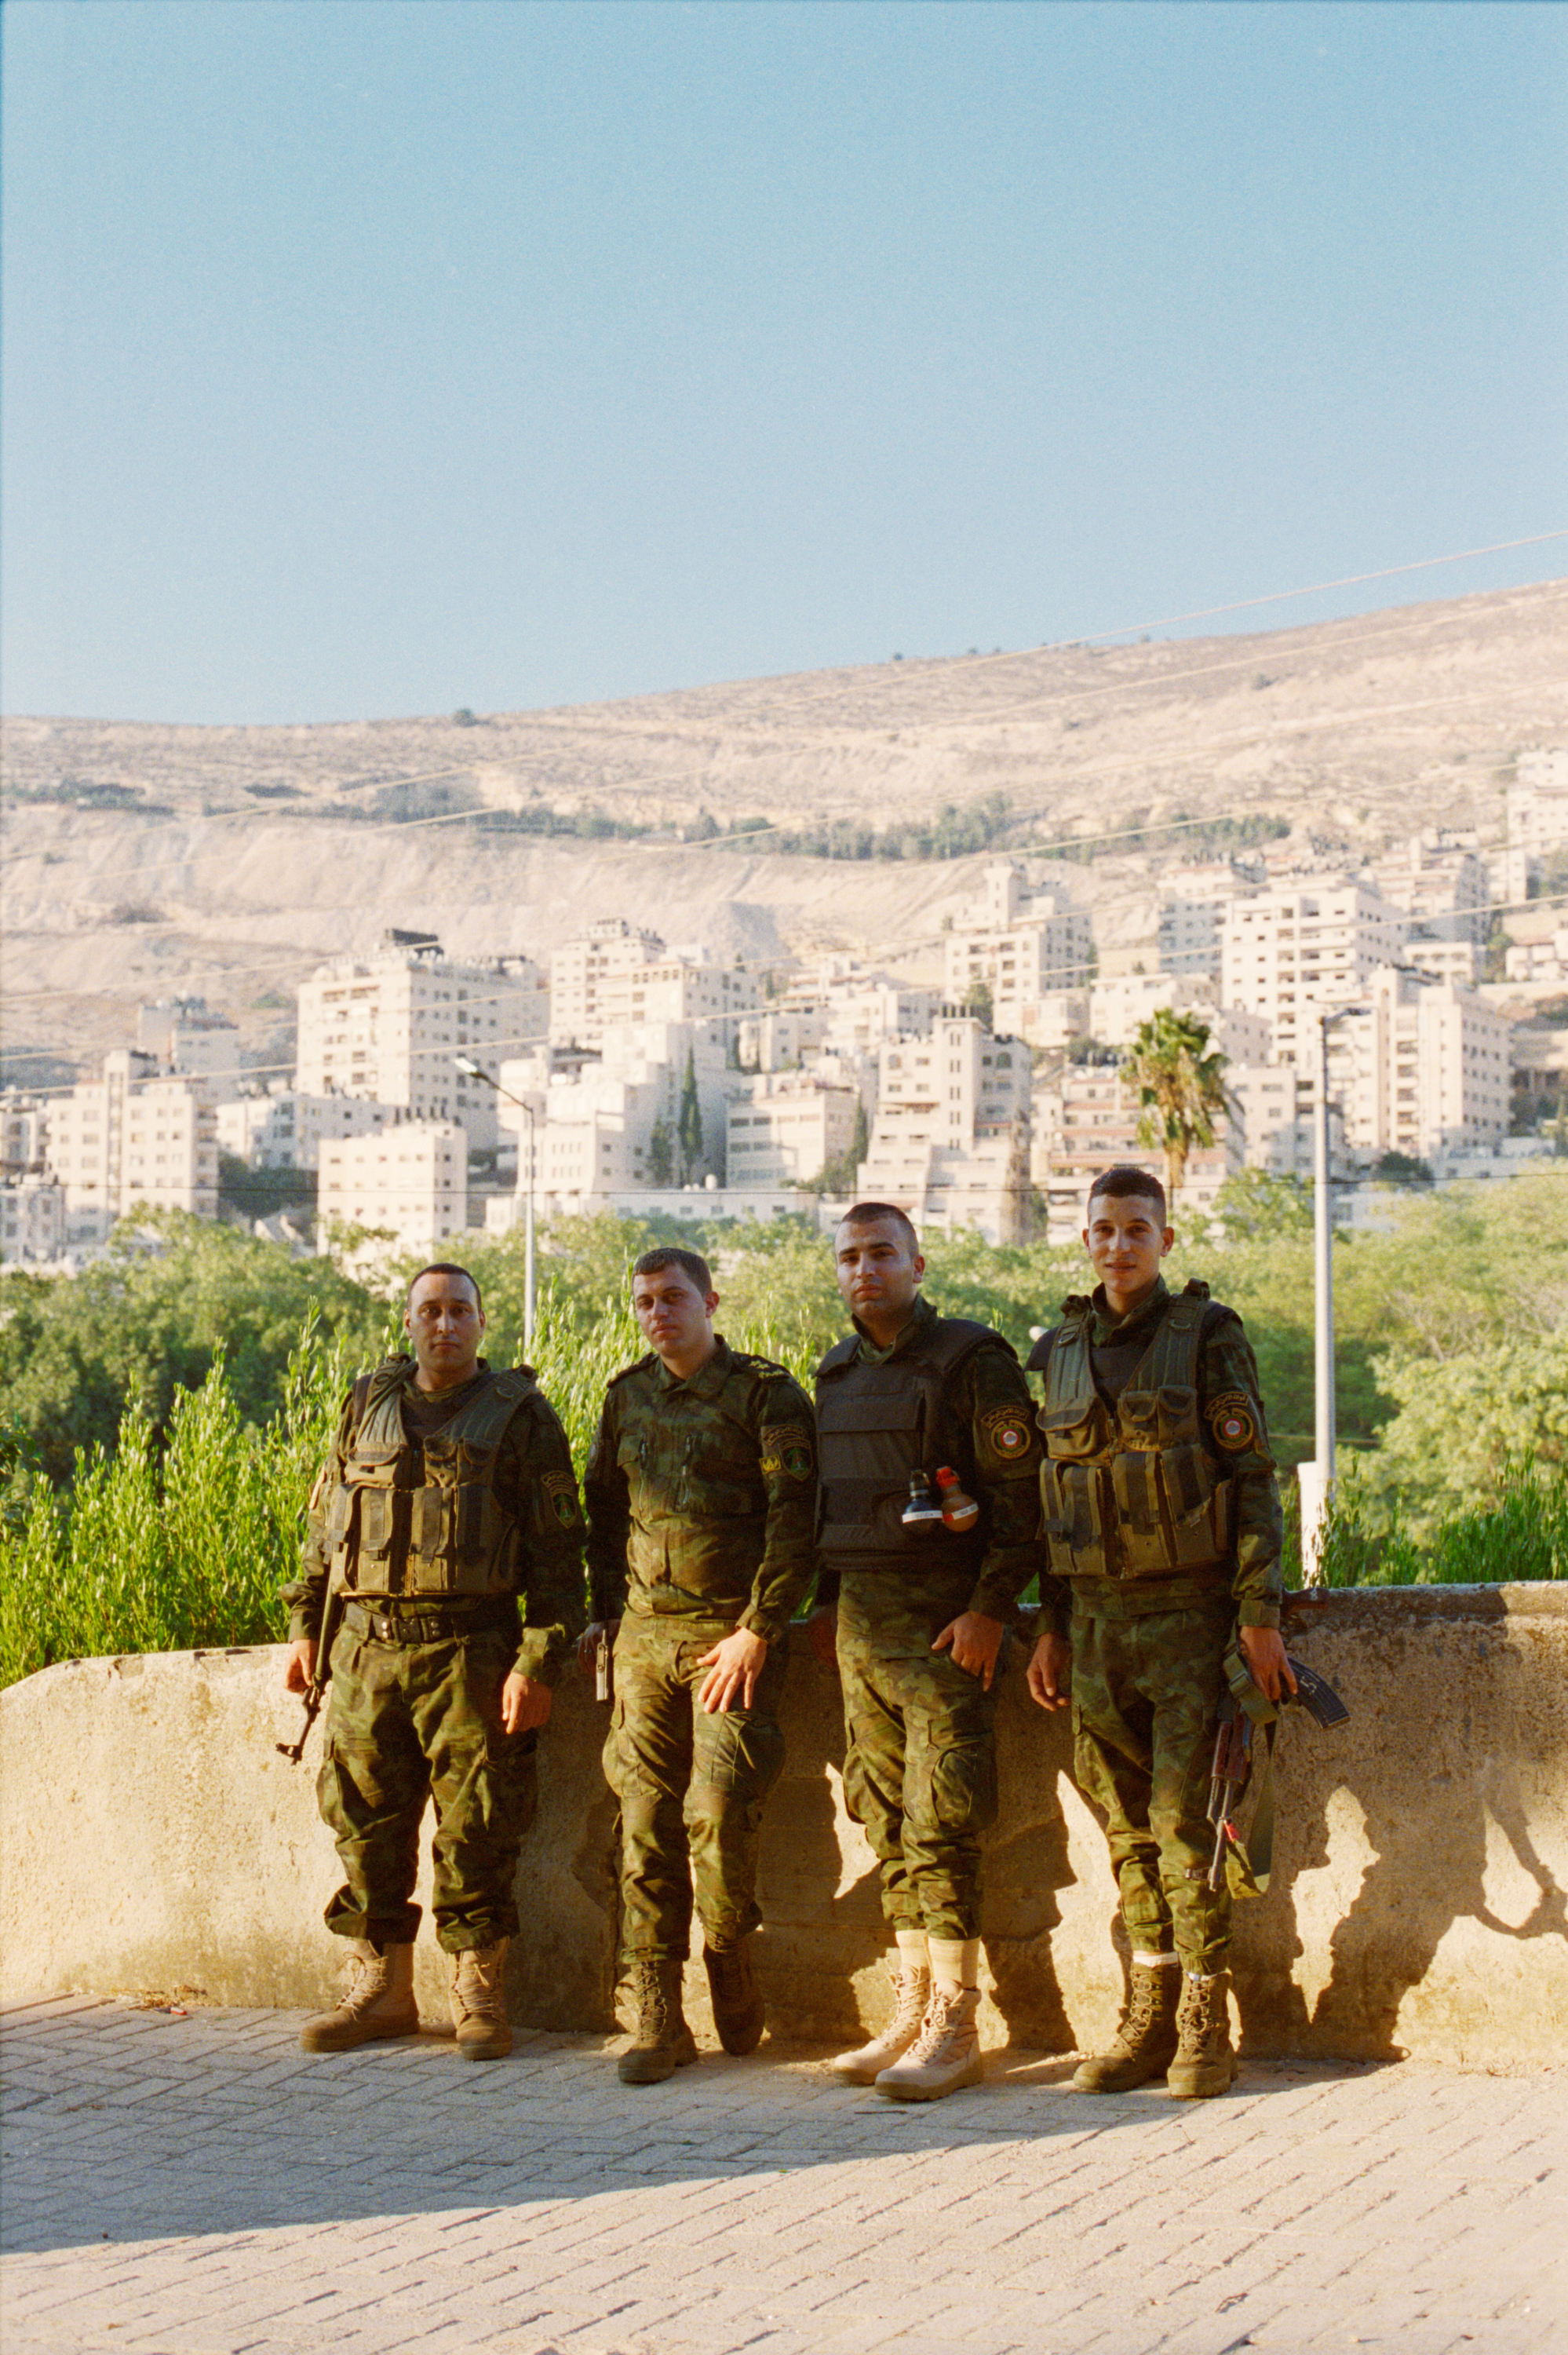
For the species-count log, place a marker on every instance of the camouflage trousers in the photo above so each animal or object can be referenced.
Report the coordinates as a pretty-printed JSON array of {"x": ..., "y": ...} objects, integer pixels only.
[
  {"x": 409, "y": 1722},
  {"x": 1145, "y": 1696},
  {"x": 920, "y": 1776},
  {"x": 691, "y": 1787}
]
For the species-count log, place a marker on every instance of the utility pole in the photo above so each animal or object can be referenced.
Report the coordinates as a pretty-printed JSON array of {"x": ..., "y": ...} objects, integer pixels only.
[
  {"x": 472, "y": 1070},
  {"x": 1315, "y": 1480}
]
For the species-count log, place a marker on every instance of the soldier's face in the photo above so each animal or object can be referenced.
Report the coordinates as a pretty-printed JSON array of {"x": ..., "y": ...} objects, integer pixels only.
[
  {"x": 878, "y": 1272},
  {"x": 1125, "y": 1242},
  {"x": 675, "y": 1317},
  {"x": 445, "y": 1324}
]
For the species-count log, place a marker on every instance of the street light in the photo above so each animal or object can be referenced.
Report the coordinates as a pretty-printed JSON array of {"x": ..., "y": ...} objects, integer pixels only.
[
  {"x": 472, "y": 1070},
  {"x": 1315, "y": 1480}
]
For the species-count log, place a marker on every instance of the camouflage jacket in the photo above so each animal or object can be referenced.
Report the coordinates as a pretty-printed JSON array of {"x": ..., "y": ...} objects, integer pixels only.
[
  {"x": 986, "y": 1432},
  {"x": 1234, "y": 1435},
  {"x": 701, "y": 1494},
  {"x": 534, "y": 1482}
]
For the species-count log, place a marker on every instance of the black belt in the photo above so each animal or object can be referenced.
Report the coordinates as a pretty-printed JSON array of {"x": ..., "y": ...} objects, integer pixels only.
[{"x": 427, "y": 1627}]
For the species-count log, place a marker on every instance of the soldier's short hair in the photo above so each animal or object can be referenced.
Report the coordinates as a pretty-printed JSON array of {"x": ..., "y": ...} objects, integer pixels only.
[
  {"x": 446, "y": 1267},
  {"x": 876, "y": 1214},
  {"x": 690, "y": 1264},
  {"x": 1125, "y": 1180}
]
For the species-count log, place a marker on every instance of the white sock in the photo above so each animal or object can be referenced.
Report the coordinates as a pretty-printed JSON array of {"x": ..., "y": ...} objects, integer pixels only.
[
  {"x": 1155, "y": 1962},
  {"x": 913, "y": 1953},
  {"x": 955, "y": 1965}
]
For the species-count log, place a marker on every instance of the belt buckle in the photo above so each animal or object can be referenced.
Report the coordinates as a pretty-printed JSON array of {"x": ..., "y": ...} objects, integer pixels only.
[{"x": 385, "y": 1626}]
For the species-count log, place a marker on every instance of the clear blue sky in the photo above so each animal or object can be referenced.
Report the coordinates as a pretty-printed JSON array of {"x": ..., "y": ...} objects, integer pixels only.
[{"x": 364, "y": 359}]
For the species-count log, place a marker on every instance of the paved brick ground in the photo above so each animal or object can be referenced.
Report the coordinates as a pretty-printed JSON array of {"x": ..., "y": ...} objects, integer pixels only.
[{"x": 199, "y": 2187}]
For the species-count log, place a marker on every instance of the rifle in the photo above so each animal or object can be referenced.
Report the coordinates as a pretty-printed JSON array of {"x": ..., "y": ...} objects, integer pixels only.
[
  {"x": 1244, "y": 1707},
  {"x": 315, "y": 1691}
]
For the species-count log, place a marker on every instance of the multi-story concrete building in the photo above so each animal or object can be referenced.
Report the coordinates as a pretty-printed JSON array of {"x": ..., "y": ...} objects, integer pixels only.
[
  {"x": 388, "y": 1027},
  {"x": 778, "y": 1041},
  {"x": 609, "y": 1123},
  {"x": 1424, "y": 1071},
  {"x": 183, "y": 1035},
  {"x": 285, "y": 1128},
  {"x": 787, "y": 1130},
  {"x": 32, "y": 1220},
  {"x": 1442, "y": 959},
  {"x": 1305, "y": 942},
  {"x": 1191, "y": 910},
  {"x": 950, "y": 1142},
  {"x": 1537, "y": 817},
  {"x": 410, "y": 1181},
  {"x": 1273, "y": 1108},
  {"x": 24, "y": 1133},
  {"x": 1439, "y": 880},
  {"x": 615, "y": 976},
  {"x": 133, "y": 1142},
  {"x": 1020, "y": 945}
]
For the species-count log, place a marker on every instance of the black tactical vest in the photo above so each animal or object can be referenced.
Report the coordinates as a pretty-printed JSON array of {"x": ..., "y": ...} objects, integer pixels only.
[
  {"x": 875, "y": 1425},
  {"x": 1128, "y": 1490},
  {"x": 412, "y": 1518}
]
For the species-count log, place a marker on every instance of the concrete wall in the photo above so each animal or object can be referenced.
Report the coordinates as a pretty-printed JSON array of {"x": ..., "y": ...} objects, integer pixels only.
[{"x": 154, "y": 1839}]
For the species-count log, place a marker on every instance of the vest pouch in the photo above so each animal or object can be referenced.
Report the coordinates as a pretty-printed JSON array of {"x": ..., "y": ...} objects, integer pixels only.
[
  {"x": 1176, "y": 1411},
  {"x": 486, "y": 1541},
  {"x": 379, "y": 1513},
  {"x": 1140, "y": 1532},
  {"x": 339, "y": 1536},
  {"x": 1073, "y": 1433},
  {"x": 1073, "y": 1497}
]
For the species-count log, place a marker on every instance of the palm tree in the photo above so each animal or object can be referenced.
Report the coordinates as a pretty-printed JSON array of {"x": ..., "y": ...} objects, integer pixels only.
[{"x": 1181, "y": 1085}]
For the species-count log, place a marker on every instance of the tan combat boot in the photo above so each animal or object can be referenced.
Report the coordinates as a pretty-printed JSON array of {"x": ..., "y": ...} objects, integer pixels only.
[
  {"x": 378, "y": 2002},
  {"x": 664, "y": 2042},
  {"x": 944, "y": 2056},
  {"x": 479, "y": 2002},
  {"x": 738, "y": 2013},
  {"x": 1146, "y": 2041},
  {"x": 911, "y": 1994},
  {"x": 1204, "y": 2063}
]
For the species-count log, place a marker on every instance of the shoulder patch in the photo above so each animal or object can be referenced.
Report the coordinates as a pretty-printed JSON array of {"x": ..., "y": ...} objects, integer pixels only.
[
  {"x": 562, "y": 1491},
  {"x": 765, "y": 1368},
  {"x": 1008, "y": 1432},
  {"x": 788, "y": 1448},
  {"x": 1231, "y": 1419}
]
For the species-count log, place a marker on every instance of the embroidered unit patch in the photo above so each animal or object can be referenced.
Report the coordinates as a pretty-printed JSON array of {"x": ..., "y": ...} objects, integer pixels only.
[
  {"x": 562, "y": 1492},
  {"x": 1006, "y": 1429},
  {"x": 1231, "y": 1419}
]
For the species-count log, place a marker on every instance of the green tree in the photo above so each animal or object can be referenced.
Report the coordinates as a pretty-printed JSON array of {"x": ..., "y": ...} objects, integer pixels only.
[
  {"x": 1181, "y": 1085},
  {"x": 689, "y": 1123},
  {"x": 661, "y": 1153},
  {"x": 978, "y": 1000}
]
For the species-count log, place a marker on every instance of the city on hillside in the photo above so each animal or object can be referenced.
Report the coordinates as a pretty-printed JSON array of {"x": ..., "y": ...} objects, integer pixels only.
[{"x": 433, "y": 1095}]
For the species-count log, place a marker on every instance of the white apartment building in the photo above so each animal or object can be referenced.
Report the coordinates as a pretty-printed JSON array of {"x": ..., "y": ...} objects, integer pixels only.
[
  {"x": 779, "y": 1042},
  {"x": 411, "y": 1180},
  {"x": 1439, "y": 878},
  {"x": 24, "y": 1133},
  {"x": 32, "y": 1220},
  {"x": 1424, "y": 1071},
  {"x": 1021, "y": 946},
  {"x": 787, "y": 1130},
  {"x": 610, "y": 1124},
  {"x": 616, "y": 975},
  {"x": 1544, "y": 956},
  {"x": 1273, "y": 1119},
  {"x": 183, "y": 1034},
  {"x": 388, "y": 1027},
  {"x": 1537, "y": 817},
  {"x": 1442, "y": 959},
  {"x": 950, "y": 1142},
  {"x": 1187, "y": 928},
  {"x": 1085, "y": 1121},
  {"x": 285, "y": 1129},
  {"x": 864, "y": 1014},
  {"x": 1305, "y": 942},
  {"x": 133, "y": 1142}
]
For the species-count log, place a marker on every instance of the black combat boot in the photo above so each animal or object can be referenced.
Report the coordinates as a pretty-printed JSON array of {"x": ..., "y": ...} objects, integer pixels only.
[
  {"x": 1204, "y": 2063},
  {"x": 738, "y": 2014},
  {"x": 1146, "y": 2041},
  {"x": 663, "y": 2042}
]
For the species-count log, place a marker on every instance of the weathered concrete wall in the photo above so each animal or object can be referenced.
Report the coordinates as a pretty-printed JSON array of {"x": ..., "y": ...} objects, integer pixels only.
[{"x": 154, "y": 1838}]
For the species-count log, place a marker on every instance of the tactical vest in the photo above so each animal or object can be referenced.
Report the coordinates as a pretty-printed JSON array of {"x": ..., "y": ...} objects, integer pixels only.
[
  {"x": 1129, "y": 1491},
  {"x": 412, "y": 1518},
  {"x": 875, "y": 1425}
]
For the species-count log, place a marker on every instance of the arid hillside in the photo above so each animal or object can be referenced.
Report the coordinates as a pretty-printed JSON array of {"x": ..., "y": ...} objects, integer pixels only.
[{"x": 143, "y": 859}]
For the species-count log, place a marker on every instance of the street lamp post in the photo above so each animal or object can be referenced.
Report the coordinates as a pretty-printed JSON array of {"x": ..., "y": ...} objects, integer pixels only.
[
  {"x": 1315, "y": 1480},
  {"x": 472, "y": 1070}
]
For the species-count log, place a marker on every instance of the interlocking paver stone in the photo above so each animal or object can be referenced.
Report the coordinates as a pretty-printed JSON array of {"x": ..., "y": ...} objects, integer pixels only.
[{"x": 199, "y": 2187}]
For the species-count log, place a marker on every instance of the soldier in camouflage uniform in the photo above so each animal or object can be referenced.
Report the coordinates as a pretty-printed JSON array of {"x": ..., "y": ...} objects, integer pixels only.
[
  {"x": 446, "y": 1523},
  {"x": 1161, "y": 1516},
  {"x": 701, "y": 1491},
  {"x": 919, "y": 1612}
]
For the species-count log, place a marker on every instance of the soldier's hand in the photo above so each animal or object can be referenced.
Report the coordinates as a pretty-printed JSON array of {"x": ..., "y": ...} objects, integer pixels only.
[
  {"x": 1049, "y": 1670},
  {"x": 733, "y": 1667},
  {"x": 1263, "y": 1649},
  {"x": 300, "y": 1667},
  {"x": 523, "y": 1704},
  {"x": 596, "y": 1632},
  {"x": 974, "y": 1640},
  {"x": 822, "y": 1635}
]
